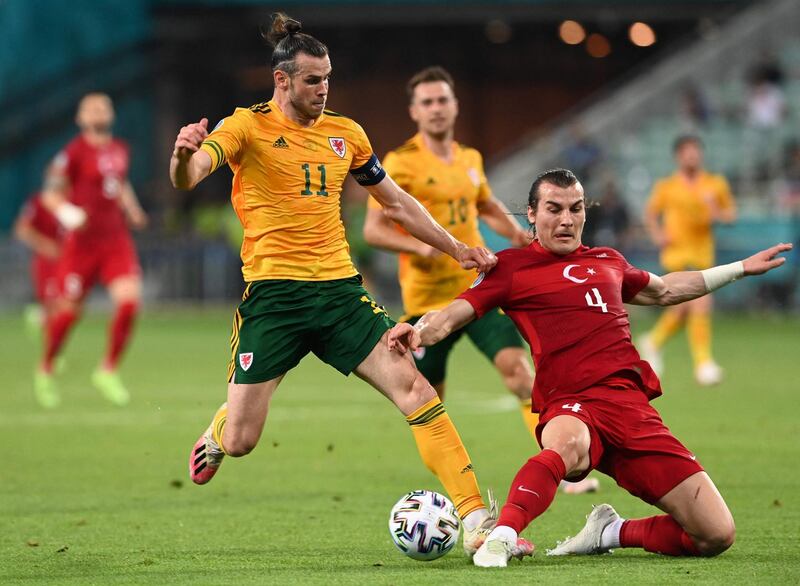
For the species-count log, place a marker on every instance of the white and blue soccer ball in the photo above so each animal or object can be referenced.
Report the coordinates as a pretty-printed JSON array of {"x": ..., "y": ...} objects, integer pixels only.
[{"x": 424, "y": 525}]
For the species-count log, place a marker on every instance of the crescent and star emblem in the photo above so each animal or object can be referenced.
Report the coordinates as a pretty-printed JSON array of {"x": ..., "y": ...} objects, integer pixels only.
[{"x": 566, "y": 274}]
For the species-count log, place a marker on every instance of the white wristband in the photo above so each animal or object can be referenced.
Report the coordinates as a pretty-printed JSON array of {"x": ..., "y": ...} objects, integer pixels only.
[
  {"x": 717, "y": 277},
  {"x": 70, "y": 216}
]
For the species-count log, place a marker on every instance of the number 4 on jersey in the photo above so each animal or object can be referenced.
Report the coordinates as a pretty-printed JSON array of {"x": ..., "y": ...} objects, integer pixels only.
[{"x": 597, "y": 301}]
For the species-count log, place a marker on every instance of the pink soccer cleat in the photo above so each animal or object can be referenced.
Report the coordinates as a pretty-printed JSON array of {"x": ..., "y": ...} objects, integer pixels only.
[{"x": 205, "y": 459}]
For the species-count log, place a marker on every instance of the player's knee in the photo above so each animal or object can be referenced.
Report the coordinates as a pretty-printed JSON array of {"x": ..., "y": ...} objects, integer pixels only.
[
  {"x": 239, "y": 444},
  {"x": 520, "y": 380},
  {"x": 716, "y": 541},
  {"x": 516, "y": 371},
  {"x": 419, "y": 392},
  {"x": 573, "y": 449},
  {"x": 65, "y": 305},
  {"x": 572, "y": 454}
]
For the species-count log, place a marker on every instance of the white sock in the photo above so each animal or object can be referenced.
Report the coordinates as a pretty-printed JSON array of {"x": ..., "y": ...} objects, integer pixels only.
[
  {"x": 474, "y": 519},
  {"x": 503, "y": 532},
  {"x": 610, "y": 536}
]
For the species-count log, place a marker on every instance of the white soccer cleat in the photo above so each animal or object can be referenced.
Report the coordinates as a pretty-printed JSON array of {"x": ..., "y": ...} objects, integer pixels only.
[
  {"x": 475, "y": 538},
  {"x": 498, "y": 549},
  {"x": 587, "y": 541},
  {"x": 584, "y": 486},
  {"x": 494, "y": 553},
  {"x": 708, "y": 374},
  {"x": 651, "y": 354}
]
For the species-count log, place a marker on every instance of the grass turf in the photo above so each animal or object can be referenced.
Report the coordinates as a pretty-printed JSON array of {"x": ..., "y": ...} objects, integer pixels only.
[{"x": 93, "y": 494}]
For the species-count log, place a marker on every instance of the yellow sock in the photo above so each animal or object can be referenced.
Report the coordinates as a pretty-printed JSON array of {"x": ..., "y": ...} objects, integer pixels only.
[
  {"x": 443, "y": 453},
  {"x": 218, "y": 425},
  {"x": 530, "y": 418},
  {"x": 666, "y": 327},
  {"x": 698, "y": 328}
]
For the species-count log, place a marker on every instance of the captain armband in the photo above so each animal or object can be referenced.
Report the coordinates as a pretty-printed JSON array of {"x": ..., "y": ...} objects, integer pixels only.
[
  {"x": 370, "y": 173},
  {"x": 717, "y": 277}
]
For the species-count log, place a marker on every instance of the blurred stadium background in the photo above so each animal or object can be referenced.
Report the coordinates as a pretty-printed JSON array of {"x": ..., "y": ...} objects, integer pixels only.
[{"x": 602, "y": 87}]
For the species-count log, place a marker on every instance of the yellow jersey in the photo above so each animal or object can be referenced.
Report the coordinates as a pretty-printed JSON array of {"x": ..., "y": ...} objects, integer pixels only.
[
  {"x": 685, "y": 209},
  {"x": 287, "y": 182},
  {"x": 452, "y": 193}
]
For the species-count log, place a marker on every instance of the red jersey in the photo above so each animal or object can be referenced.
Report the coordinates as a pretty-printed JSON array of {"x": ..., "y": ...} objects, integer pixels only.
[
  {"x": 96, "y": 176},
  {"x": 40, "y": 218},
  {"x": 570, "y": 310}
]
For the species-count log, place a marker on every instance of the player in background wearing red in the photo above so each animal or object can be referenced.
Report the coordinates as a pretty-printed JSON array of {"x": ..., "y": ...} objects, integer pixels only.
[
  {"x": 87, "y": 190},
  {"x": 592, "y": 390},
  {"x": 39, "y": 230}
]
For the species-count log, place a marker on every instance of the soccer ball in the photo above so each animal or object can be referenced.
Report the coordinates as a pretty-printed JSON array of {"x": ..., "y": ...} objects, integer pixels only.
[{"x": 424, "y": 525}]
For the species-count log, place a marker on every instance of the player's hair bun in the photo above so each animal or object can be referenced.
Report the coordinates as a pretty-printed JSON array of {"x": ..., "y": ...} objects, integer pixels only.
[
  {"x": 282, "y": 26},
  {"x": 285, "y": 36}
]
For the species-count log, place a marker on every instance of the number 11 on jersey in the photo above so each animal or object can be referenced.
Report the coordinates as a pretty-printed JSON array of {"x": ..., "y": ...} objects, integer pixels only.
[
  {"x": 597, "y": 301},
  {"x": 322, "y": 187}
]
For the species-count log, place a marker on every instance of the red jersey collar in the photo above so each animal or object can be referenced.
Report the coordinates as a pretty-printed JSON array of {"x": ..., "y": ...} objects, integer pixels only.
[{"x": 542, "y": 250}]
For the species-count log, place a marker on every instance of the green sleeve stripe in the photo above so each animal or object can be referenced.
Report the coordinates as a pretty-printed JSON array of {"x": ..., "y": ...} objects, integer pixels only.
[{"x": 218, "y": 150}]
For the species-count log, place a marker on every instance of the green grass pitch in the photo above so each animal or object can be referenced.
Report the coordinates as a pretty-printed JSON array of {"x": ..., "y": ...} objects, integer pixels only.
[{"x": 92, "y": 494}]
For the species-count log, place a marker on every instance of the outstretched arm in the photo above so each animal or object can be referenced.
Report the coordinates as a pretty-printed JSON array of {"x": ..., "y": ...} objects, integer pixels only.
[
  {"x": 132, "y": 208},
  {"x": 380, "y": 231},
  {"x": 674, "y": 288},
  {"x": 189, "y": 165},
  {"x": 55, "y": 197},
  {"x": 35, "y": 240},
  {"x": 400, "y": 207},
  {"x": 498, "y": 218},
  {"x": 433, "y": 327},
  {"x": 654, "y": 229}
]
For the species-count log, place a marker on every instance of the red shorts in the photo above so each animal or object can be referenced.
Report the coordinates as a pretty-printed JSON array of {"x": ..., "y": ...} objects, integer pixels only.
[
  {"x": 106, "y": 259},
  {"x": 629, "y": 442},
  {"x": 44, "y": 273}
]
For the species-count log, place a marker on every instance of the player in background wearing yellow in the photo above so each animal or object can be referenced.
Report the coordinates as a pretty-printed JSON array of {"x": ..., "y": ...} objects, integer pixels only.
[
  {"x": 449, "y": 180},
  {"x": 290, "y": 157},
  {"x": 680, "y": 217}
]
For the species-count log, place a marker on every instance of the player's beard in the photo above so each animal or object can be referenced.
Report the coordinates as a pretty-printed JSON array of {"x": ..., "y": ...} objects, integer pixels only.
[
  {"x": 99, "y": 128},
  {"x": 304, "y": 109},
  {"x": 440, "y": 135}
]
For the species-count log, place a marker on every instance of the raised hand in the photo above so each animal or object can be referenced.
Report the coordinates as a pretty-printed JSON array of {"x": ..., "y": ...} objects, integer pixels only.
[
  {"x": 766, "y": 260},
  {"x": 190, "y": 138}
]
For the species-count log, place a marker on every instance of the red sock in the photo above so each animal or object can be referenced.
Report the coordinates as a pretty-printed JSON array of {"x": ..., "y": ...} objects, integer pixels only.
[
  {"x": 120, "y": 332},
  {"x": 532, "y": 490},
  {"x": 56, "y": 330},
  {"x": 659, "y": 534}
]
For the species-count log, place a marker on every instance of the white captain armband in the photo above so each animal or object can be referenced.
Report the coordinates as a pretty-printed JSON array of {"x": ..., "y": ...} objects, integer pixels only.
[
  {"x": 370, "y": 173},
  {"x": 717, "y": 277}
]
